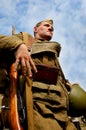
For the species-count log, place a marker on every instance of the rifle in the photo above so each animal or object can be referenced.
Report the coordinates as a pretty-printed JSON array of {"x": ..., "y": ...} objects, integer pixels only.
[
  {"x": 28, "y": 91},
  {"x": 13, "y": 115}
]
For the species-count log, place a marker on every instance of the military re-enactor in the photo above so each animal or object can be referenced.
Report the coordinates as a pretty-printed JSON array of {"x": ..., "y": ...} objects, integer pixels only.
[{"x": 50, "y": 97}]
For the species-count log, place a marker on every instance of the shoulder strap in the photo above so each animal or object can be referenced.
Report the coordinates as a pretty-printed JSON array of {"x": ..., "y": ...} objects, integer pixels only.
[{"x": 28, "y": 39}]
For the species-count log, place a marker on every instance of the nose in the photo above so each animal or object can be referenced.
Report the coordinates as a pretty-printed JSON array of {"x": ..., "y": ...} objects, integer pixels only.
[{"x": 50, "y": 28}]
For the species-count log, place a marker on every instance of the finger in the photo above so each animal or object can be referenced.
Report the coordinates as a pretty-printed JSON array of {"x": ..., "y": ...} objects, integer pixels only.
[
  {"x": 33, "y": 65},
  {"x": 16, "y": 63},
  {"x": 29, "y": 72},
  {"x": 23, "y": 64}
]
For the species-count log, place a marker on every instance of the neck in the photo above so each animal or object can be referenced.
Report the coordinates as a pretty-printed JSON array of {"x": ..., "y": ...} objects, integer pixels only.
[{"x": 42, "y": 39}]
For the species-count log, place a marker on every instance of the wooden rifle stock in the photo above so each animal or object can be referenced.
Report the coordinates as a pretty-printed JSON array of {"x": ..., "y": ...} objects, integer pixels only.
[{"x": 14, "y": 117}]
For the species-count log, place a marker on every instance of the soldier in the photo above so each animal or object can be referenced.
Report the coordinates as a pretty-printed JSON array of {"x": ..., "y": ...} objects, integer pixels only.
[{"x": 49, "y": 88}]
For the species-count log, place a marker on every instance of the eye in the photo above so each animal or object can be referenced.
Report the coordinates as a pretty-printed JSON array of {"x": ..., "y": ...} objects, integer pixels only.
[{"x": 47, "y": 25}]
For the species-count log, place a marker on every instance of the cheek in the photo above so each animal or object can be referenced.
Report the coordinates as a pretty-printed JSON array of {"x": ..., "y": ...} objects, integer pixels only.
[{"x": 41, "y": 31}]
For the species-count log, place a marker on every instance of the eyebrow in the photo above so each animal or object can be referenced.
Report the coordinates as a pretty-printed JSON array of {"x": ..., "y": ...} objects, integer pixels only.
[{"x": 49, "y": 25}]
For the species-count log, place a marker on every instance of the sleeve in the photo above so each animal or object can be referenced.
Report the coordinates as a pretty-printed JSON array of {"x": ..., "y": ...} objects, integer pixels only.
[{"x": 9, "y": 42}]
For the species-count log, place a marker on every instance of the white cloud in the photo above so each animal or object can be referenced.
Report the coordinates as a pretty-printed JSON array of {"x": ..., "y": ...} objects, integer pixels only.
[{"x": 70, "y": 28}]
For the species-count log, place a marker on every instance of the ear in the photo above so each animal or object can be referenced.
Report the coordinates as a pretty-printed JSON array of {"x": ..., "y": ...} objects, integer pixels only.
[{"x": 35, "y": 29}]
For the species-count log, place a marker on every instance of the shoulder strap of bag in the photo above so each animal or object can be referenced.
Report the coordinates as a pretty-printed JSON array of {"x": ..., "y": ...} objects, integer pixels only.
[{"x": 28, "y": 39}]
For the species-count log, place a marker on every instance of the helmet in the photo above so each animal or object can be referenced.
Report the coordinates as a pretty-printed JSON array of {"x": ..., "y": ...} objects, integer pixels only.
[{"x": 77, "y": 101}]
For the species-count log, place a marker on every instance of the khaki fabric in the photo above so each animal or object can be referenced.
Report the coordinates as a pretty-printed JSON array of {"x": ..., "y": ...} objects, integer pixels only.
[
  {"x": 50, "y": 102},
  {"x": 1, "y": 97},
  {"x": 45, "y": 123},
  {"x": 50, "y": 21},
  {"x": 40, "y": 47},
  {"x": 49, "y": 123}
]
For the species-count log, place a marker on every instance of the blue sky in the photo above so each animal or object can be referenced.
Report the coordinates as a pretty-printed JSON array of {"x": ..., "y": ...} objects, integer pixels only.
[{"x": 70, "y": 29}]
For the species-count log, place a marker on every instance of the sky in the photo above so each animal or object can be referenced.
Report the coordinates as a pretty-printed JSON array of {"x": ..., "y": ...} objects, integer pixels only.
[{"x": 69, "y": 18}]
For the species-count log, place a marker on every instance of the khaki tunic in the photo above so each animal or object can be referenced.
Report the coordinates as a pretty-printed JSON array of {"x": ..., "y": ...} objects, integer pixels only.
[{"x": 50, "y": 101}]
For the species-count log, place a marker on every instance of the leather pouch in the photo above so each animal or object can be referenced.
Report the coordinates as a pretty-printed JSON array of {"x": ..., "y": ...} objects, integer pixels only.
[{"x": 46, "y": 74}]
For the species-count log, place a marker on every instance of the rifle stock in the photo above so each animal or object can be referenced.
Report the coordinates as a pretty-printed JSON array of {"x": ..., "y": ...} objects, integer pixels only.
[{"x": 13, "y": 115}]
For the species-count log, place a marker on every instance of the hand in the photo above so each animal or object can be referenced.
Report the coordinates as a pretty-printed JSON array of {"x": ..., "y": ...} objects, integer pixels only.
[{"x": 23, "y": 57}]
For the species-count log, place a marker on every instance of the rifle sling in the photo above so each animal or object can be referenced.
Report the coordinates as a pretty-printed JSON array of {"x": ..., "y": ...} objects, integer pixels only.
[{"x": 28, "y": 89}]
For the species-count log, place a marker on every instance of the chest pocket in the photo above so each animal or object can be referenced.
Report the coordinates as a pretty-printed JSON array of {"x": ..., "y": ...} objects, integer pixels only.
[{"x": 47, "y": 58}]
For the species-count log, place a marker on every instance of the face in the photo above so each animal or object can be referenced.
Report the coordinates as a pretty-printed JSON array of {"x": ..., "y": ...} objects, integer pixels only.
[{"x": 44, "y": 31}]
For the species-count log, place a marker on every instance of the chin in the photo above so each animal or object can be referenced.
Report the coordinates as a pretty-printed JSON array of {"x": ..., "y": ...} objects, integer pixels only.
[{"x": 49, "y": 37}]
